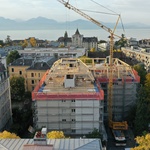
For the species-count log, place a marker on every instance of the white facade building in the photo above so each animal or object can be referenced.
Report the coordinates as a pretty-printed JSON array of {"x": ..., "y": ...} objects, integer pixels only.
[
  {"x": 69, "y": 99},
  {"x": 5, "y": 99},
  {"x": 59, "y": 52}
]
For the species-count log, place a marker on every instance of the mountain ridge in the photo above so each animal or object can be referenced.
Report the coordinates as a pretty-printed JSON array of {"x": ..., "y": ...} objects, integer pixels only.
[{"x": 45, "y": 23}]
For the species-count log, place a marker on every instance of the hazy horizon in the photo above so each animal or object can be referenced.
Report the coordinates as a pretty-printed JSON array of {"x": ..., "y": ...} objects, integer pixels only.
[{"x": 130, "y": 10}]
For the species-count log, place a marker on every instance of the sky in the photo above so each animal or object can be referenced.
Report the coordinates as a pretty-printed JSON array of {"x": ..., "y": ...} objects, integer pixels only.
[{"x": 130, "y": 10}]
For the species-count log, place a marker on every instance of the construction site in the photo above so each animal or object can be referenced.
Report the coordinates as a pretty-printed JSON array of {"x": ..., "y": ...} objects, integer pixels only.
[{"x": 73, "y": 95}]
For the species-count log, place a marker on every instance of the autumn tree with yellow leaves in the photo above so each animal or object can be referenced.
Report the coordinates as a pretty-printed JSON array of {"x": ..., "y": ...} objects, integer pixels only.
[
  {"x": 55, "y": 135},
  {"x": 33, "y": 41},
  {"x": 143, "y": 142},
  {"x": 7, "y": 135}
]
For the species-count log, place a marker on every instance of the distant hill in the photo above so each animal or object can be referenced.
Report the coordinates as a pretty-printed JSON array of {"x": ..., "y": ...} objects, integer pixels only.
[{"x": 45, "y": 23}]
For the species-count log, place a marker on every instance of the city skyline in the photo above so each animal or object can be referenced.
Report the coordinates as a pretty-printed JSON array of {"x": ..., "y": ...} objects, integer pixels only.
[{"x": 130, "y": 10}]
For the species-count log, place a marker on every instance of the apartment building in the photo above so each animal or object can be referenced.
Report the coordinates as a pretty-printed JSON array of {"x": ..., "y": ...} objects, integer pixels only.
[
  {"x": 69, "y": 99},
  {"x": 5, "y": 99},
  {"x": 32, "y": 69}
]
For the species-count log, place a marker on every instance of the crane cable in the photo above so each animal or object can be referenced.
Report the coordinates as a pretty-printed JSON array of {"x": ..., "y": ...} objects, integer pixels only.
[{"x": 114, "y": 13}]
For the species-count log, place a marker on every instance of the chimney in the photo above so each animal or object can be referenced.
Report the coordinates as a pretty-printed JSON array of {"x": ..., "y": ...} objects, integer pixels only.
[{"x": 40, "y": 137}]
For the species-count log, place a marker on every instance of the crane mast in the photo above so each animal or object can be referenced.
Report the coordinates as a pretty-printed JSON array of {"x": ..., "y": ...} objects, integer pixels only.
[{"x": 110, "y": 85}]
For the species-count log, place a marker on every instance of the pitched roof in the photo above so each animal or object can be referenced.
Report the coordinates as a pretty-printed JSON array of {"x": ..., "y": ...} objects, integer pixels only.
[
  {"x": 44, "y": 64},
  {"x": 22, "y": 62},
  {"x": 77, "y": 32},
  {"x": 90, "y": 39}
]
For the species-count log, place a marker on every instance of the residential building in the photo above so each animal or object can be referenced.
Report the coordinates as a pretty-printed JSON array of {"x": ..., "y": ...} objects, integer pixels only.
[
  {"x": 35, "y": 72},
  {"x": 145, "y": 43},
  {"x": 5, "y": 99},
  {"x": 78, "y": 40},
  {"x": 124, "y": 89},
  {"x": 53, "y": 52},
  {"x": 32, "y": 69},
  {"x": 68, "y": 98},
  {"x": 132, "y": 42}
]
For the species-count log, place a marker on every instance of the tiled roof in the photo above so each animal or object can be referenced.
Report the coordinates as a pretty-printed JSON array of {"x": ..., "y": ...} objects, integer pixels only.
[
  {"x": 62, "y": 39},
  {"x": 90, "y": 39},
  {"x": 22, "y": 62},
  {"x": 42, "y": 64}
]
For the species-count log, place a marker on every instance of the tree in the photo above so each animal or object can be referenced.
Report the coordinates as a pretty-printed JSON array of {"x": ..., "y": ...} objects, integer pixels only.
[
  {"x": 147, "y": 87},
  {"x": 1, "y": 43},
  {"x": 17, "y": 87},
  {"x": 141, "y": 72},
  {"x": 142, "y": 117},
  {"x": 13, "y": 55},
  {"x": 25, "y": 43},
  {"x": 94, "y": 134},
  {"x": 55, "y": 135},
  {"x": 143, "y": 142},
  {"x": 33, "y": 41},
  {"x": 122, "y": 42},
  {"x": 8, "y": 41},
  {"x": 92, "y": 49},
  {"x": 142, "y": 113},
  {"x": 7, "y": 135}
]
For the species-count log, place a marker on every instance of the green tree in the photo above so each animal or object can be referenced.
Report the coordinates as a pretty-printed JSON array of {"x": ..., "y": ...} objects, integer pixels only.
[
  {"x": 1, "y": 43},
  {"x": 122, "y": 42},
  {"x": 147, "y": 82},
  {"x": 94, "y": 134},
  {"x": 142, "y": 117},
  {"x": 17, "y": 88},
  {"x": 12, "y": 56},
  {"x": 102, "y": 41},
  {"x": 8, "y": 40},
  {"x": 141, "y": 72}
]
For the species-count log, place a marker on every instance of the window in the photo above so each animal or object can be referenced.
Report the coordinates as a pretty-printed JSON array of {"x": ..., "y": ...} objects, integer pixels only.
[
  {"x": 12, "y": 69},
  {"x": 39, "y": 74},
  {"x": 32, "y": 88},
  {"x": 73, "y": 120},
  {"x": 73, "y": 110},
  {"x": 20, "y": 72},
  {"x": 32, "y": 74},
  {"x": 72, "y": 100},
  {"x": 73, "y": 131},
  {"x": 63, "y": 120},
  {"x": 63, "y": 100},
  {"x": 32, "y": 81}
]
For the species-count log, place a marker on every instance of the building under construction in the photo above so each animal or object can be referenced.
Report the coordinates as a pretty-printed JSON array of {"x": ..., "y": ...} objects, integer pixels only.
[
  {"x": 124, "y": 88},
  {"x": 72, "y": 95}
]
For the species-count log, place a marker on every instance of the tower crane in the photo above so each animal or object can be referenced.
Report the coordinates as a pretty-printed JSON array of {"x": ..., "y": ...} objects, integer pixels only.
[{"x": 112, "y": 124}]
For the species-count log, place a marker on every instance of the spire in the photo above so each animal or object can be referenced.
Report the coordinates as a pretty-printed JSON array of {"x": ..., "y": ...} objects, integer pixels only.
[
  {"x": 77, "y": 32},
  {"x": 66, "y": 34}
]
